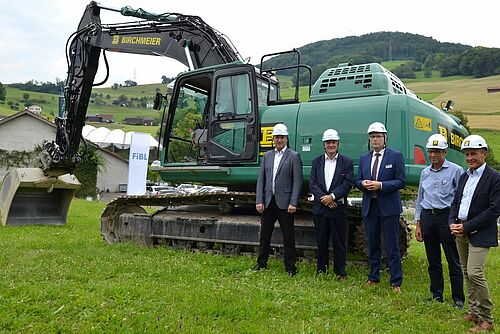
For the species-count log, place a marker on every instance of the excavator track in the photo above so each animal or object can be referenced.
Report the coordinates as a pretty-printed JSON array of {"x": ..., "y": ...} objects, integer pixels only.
[{"x": 223, "y": 223}]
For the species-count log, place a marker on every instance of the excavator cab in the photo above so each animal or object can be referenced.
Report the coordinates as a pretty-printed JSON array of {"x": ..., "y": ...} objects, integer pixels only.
[
  {"x": 213, "y": 117},
  {"x": 29, "y": 197}
]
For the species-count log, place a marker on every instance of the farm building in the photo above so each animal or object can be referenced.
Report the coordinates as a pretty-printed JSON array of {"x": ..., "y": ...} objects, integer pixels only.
[
  {"x": 23, "y": 131},
  {"x": 140, "y": 121}
]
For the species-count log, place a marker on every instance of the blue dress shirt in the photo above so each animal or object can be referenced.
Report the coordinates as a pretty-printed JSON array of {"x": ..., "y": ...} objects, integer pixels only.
[{"x": 437, "y": 187}]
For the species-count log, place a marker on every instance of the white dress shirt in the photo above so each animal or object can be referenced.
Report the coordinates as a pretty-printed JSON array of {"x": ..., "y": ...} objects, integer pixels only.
[
  {"x": 468, "y": 192},
  {"x": 330, "y": 166},
  {"x": 277, "y": 159}
]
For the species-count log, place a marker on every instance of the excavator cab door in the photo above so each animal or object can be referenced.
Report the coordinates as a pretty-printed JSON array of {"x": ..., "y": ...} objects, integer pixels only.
[{"x": 233, "y": 122}]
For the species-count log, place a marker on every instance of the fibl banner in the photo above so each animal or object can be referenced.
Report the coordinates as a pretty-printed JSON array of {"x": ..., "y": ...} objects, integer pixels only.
[{"x": 138, "y": 164}]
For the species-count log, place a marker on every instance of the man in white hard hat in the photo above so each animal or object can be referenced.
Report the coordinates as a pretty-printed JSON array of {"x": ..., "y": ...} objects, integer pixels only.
[
  {"x": 381, "y": 174},
  {"x": 473, "y": 221},
  {"x": 436, "y": 190},
  {"x": 330, "y": 183},
  {"x": 277, "y": 196}
]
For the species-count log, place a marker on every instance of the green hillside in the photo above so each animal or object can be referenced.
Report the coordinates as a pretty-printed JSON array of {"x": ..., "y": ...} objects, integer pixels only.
[{"x": 50, "y": 105}]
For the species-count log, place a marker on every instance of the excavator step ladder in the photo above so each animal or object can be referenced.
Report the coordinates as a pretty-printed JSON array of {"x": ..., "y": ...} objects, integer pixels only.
[{"x": 28, "y": 197}]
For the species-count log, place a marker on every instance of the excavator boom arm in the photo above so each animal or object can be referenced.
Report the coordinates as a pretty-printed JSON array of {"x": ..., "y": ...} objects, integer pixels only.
[{"x": 185, "y": 38}]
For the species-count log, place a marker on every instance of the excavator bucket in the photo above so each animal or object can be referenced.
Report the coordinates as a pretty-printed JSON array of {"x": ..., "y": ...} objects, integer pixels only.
[{"x": 28, "y": 197}]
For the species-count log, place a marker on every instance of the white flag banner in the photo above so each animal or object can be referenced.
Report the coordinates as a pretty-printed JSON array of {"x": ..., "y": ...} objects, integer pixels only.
[{"x": 138, "y": 164}]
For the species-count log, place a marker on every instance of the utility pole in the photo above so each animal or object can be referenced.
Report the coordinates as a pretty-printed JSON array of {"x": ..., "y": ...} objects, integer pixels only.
[{"x": 390, "y": 48}]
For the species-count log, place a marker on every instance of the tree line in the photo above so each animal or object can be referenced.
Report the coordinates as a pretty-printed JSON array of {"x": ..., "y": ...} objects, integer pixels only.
[
  {"x": 426, "y": 54},
  {"x": 41, "y": 87}
]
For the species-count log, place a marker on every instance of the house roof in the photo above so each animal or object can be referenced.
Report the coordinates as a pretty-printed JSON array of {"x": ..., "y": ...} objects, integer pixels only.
[
  {"x": 29, "y": 113},
  {"x": 46, "y": 121}
]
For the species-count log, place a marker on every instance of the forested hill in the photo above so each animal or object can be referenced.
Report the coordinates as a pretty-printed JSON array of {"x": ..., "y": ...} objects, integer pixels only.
[{"x": 449, "y": 58}]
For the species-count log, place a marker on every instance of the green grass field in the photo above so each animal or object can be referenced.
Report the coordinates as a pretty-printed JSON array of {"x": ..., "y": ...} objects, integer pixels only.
[
  {"x": 492, "y": 138},
  {"x": 67, "y": 280}
]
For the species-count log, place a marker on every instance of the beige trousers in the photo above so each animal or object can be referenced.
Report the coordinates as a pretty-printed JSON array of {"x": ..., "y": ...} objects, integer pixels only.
[{"x": 473, "y": 261}]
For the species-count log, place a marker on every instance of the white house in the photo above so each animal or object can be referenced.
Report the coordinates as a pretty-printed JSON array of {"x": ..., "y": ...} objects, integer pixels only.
[{"x": 25, "y": 130}]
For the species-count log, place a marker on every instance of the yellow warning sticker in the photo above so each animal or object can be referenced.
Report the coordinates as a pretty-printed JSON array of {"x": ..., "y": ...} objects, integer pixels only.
[{"x": 422, "y": 123}]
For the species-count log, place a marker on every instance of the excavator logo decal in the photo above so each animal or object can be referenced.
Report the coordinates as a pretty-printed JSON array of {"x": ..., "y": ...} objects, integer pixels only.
[
  {"x": 443, "y": 130},
  {"x": 453, "y": 137},
  {"x": 141, "y": 40},
  {"x": 456, "y": 140},
  {"x": 266, "y": 138}
]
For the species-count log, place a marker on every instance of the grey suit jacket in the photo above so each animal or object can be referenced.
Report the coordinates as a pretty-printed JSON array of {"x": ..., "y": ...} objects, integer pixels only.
[{"x": 288, "y": 182}]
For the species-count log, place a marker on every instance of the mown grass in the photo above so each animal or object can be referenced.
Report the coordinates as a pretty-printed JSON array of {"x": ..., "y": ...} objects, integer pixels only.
[
  {"x": 470, "y": 95},
  {"x": 67, "y": 280},
  {"x": 429, "y": 96}
]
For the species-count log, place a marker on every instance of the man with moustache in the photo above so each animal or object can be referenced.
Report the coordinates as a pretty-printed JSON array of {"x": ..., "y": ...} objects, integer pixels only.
[{"x": 436, "y": 190}]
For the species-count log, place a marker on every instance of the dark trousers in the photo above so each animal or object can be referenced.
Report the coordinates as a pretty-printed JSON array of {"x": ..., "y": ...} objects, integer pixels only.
[
  {"x": 436, "y": 234},
  {"x": 375, "y": 226},
  {"x": 335, "y": 229},
  {"x": 285, "y": 219}
]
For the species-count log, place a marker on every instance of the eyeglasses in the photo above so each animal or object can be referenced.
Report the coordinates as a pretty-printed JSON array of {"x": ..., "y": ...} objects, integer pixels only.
[{"x": 376, "y": 136}]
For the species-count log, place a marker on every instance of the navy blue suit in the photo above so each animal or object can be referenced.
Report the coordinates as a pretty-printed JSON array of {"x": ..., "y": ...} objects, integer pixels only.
[
  {"x": 331, "y": 223},
  {"x": 381, "y": 214}
]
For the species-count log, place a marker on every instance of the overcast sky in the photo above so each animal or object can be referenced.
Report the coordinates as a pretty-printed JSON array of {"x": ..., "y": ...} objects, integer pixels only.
[{"x": 33, "y": 33}]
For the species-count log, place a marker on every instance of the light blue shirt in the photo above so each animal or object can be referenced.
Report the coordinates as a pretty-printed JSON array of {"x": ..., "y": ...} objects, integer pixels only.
[
  {"x": 469, "y": 189},
  {"x": 437, "y": 187}
]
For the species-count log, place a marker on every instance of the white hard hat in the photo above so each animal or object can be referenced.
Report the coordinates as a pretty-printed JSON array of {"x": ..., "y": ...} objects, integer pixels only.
[
  {"x": 437, "y": 141},
  {"x": 330, "y": 134},
  {"x": 474, "y": 141},
  {"x": 280, "y": 130},
  {"x": 376, "y": 127}
]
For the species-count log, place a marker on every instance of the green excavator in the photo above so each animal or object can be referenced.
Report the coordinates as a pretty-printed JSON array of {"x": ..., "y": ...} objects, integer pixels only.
[{"x": 217, "y": 125}]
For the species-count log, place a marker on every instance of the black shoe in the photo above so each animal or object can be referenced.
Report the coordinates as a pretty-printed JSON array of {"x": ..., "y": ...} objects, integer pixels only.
[
  {"x": 321, "y": 272},
  {"x": 436, "y": 299},
  {"x": 292, "y": 273},
  {"x": 458, "y": 304},
  {"x": 259, "y": 267}
]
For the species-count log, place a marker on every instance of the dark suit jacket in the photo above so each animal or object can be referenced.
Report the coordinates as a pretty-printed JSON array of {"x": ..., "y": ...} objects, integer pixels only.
[
  {"x": 393, "y": 177},
  {"x": 340, "y": 186},
  {"x": 481, "y": 225},
  {"x": 288, "y": 182}
]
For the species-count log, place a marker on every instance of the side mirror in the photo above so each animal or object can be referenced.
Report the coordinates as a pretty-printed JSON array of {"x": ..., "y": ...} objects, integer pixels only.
[{"x": 157, "y": 101}]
